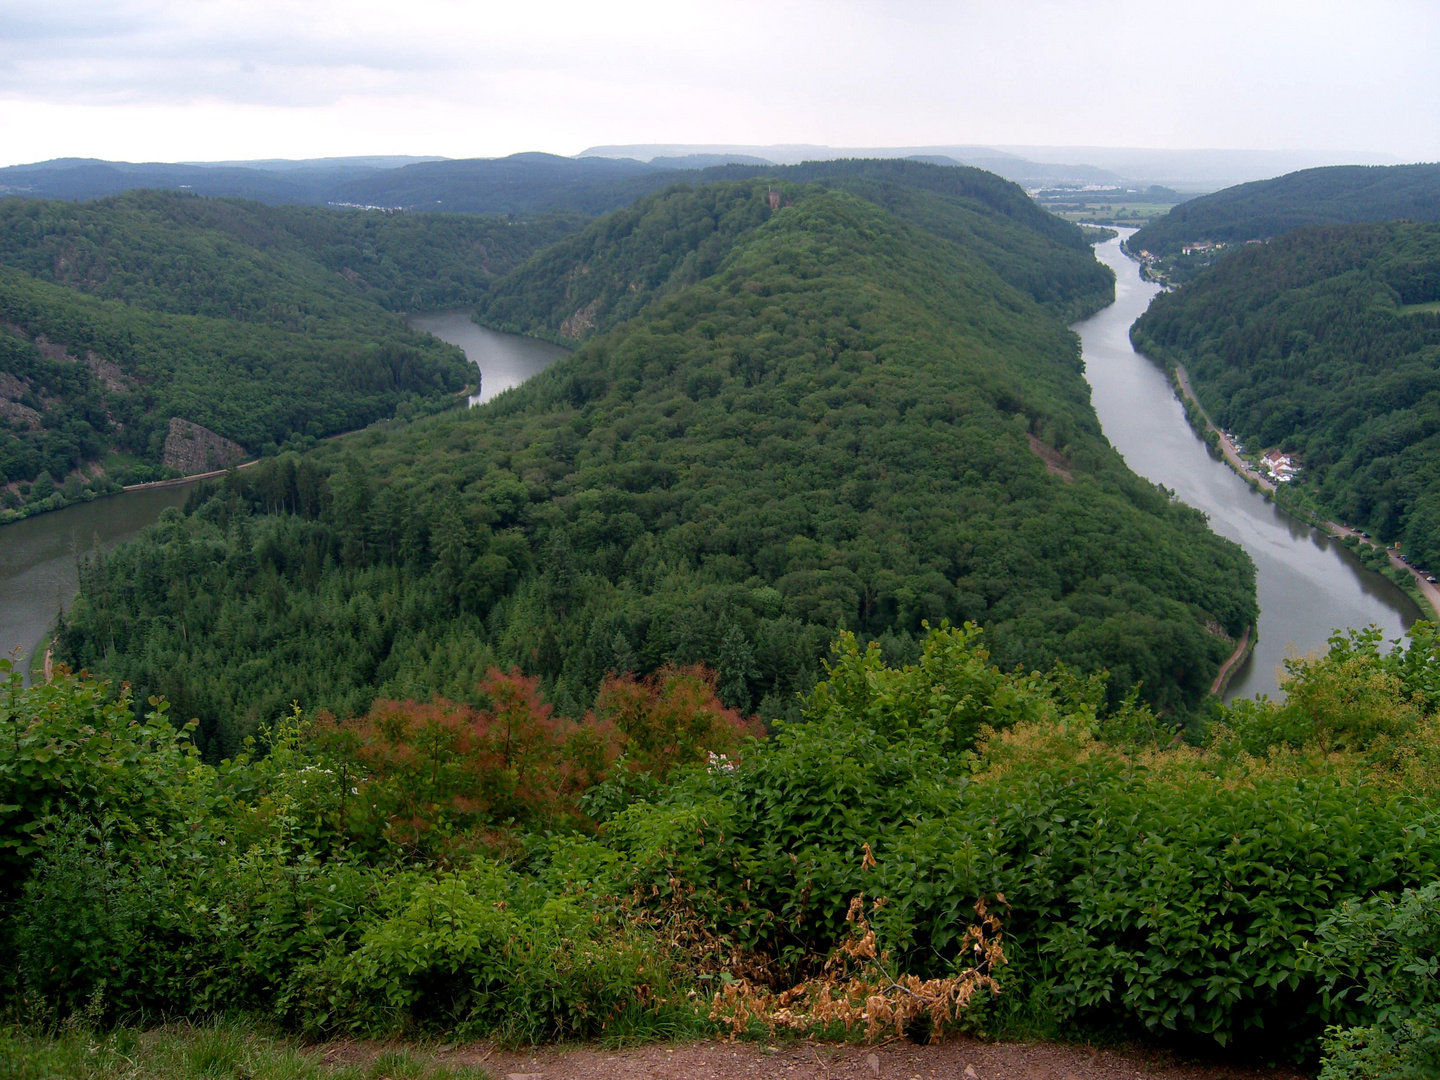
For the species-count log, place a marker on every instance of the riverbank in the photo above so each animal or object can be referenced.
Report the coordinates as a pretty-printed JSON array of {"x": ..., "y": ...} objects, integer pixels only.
[
  {"x": 193, "y": 478},
  {"x": 1181, "y": 380},
  {"x": 1307, "y": 583},
  {"x": 1237, "y": 658},
  {"x": 1426, "y": 595}
]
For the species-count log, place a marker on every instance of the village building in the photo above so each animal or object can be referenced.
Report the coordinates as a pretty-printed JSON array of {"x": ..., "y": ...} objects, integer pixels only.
[{"x": 1282, "y": 467}]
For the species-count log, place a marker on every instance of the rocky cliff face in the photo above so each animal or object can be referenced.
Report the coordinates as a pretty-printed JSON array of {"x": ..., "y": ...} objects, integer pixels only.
[{"x": 191, "y": 448}]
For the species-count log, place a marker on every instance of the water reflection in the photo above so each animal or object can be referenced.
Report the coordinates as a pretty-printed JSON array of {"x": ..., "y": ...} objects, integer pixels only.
[
  {"x": 38, "y": 574},
  {"x": 504, "y": 360}
]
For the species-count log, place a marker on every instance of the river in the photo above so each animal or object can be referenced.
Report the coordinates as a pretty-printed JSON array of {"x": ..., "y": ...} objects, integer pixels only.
[
  {"x": 504, "y": 360},
  {"x": 1308, "y": 583},
  {"x": 38, "y": 570},
  {"x": 38, "y": 554}
]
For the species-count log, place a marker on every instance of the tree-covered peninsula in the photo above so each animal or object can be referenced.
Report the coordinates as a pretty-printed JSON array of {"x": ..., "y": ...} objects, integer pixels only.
[
  {"x": 616, "y": 714},
  {"x": 154, "y": 333},
  {"x": 828, "y": 416},
  {"x": 1325, "y": 343}
]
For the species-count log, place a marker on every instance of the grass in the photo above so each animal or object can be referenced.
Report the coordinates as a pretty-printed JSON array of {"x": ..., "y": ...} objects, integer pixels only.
[
  {"x": 186, "y": 1052},
  {"x": 1433, "y": 307}
]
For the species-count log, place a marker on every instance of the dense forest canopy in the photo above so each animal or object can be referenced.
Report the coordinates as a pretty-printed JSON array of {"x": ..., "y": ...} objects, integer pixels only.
[
  {"x": 1334, "y": 195},
  {"x": 850, "y": 421},
  {"x": 1326, "y": 342},
  {"x": 259, "y": 324},
  {"x": 606, "y": 274}
]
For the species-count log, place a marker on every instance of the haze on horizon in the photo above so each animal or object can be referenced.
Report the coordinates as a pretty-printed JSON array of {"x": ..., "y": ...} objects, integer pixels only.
[{"x": 164, "y": 80}]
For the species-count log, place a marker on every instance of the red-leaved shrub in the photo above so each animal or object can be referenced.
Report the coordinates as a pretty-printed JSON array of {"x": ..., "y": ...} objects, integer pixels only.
[{"x": 425, "y": 776}]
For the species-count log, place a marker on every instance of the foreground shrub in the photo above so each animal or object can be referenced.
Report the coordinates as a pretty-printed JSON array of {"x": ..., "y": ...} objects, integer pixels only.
[
  {"x": 483, "y": 951},
  {"x": 1380, "y": 961},
  {"x": 1154, "y": 897},
  {"x": 1221, "y": 894}
]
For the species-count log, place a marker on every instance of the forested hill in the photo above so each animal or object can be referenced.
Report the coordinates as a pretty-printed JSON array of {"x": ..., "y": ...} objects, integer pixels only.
[
  {"x": 258, "y": 324},
  {"x": 618, "y": 265},
  {"x": 848, "y": 422},
  {"x": 1326, "y": 342},
  {"x": 1337, "y": 194}
]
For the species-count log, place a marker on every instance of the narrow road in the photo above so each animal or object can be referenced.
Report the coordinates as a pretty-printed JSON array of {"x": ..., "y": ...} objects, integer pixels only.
[
  {"x": 1227, "y": 447},
  {"x": 1227, "y": 669},
  {"x": 1430, "y": 592},
  {"x": 176, "y": 481}
]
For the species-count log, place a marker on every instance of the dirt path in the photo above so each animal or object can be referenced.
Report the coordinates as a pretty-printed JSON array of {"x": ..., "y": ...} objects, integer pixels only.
[
  {"x": 960, "y": 1059},
  {"x": 1227, "y": 669}
]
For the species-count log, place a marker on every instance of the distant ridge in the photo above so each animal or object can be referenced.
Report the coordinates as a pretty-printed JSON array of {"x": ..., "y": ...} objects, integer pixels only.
[
  {"x": 1037, "y": 166},
  {"x": 1338, "y": 195},
  {"x": 381, "y": 161}
]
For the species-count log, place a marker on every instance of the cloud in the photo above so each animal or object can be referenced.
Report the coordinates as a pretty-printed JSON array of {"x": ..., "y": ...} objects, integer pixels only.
[{"x": 482, "y": 77}]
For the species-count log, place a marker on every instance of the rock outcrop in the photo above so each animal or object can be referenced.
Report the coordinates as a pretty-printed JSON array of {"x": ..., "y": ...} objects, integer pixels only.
[{"x": 192, "y": 449}]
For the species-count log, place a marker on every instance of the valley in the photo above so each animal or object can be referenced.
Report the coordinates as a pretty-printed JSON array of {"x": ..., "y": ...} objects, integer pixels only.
[{"x": 822, "y": 621}]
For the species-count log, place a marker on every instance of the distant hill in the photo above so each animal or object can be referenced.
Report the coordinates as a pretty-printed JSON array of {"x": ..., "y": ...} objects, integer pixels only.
[
  {"x": 262, "y": 325},
  {"x": 80, "y": 179},
  {"x": 1336, "y": 195},
  {"x": 519, "y": 184}
]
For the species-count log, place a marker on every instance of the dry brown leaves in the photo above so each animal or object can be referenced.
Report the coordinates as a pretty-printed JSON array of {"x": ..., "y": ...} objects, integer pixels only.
[{"x": 856, "y": 989}]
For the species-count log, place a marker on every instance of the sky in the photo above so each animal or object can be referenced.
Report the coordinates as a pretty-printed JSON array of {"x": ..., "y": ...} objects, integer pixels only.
[{"x": 194, "y": 80}]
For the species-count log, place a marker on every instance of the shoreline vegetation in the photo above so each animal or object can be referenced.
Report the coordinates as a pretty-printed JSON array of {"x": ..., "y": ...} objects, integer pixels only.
[
  {"x": 1425, "y": 596},
  {"x": 1306, "y": 344}
]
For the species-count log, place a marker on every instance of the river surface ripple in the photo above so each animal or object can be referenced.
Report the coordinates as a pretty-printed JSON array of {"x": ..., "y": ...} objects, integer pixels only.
[{"x": 1309, "y": 584}]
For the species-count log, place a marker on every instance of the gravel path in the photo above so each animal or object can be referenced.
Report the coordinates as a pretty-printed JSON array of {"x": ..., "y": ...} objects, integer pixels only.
[{"x": 960, "y": 1059}]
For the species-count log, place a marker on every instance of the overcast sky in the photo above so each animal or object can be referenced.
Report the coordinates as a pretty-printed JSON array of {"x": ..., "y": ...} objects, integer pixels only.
[{"x": 172, "y": 80}]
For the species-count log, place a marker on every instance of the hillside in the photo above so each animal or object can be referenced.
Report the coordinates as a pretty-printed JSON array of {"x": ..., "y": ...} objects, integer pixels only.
[
  {"x": 848, "y": 422},
  {"x": 258, "y": 324},
  {"x": 1334, "y": 195},
  {"x": 1325, "y": 342},
  {"x": 612, "y": 270}
]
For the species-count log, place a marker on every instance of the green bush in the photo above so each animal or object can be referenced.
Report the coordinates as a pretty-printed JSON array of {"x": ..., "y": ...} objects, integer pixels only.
[
  {"x": 1380, "y": 962},
  {"x": 484, "y": 951}
]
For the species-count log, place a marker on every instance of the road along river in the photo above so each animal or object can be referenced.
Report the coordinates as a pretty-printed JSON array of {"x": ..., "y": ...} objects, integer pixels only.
[{"x": 1308, "y": 583}]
